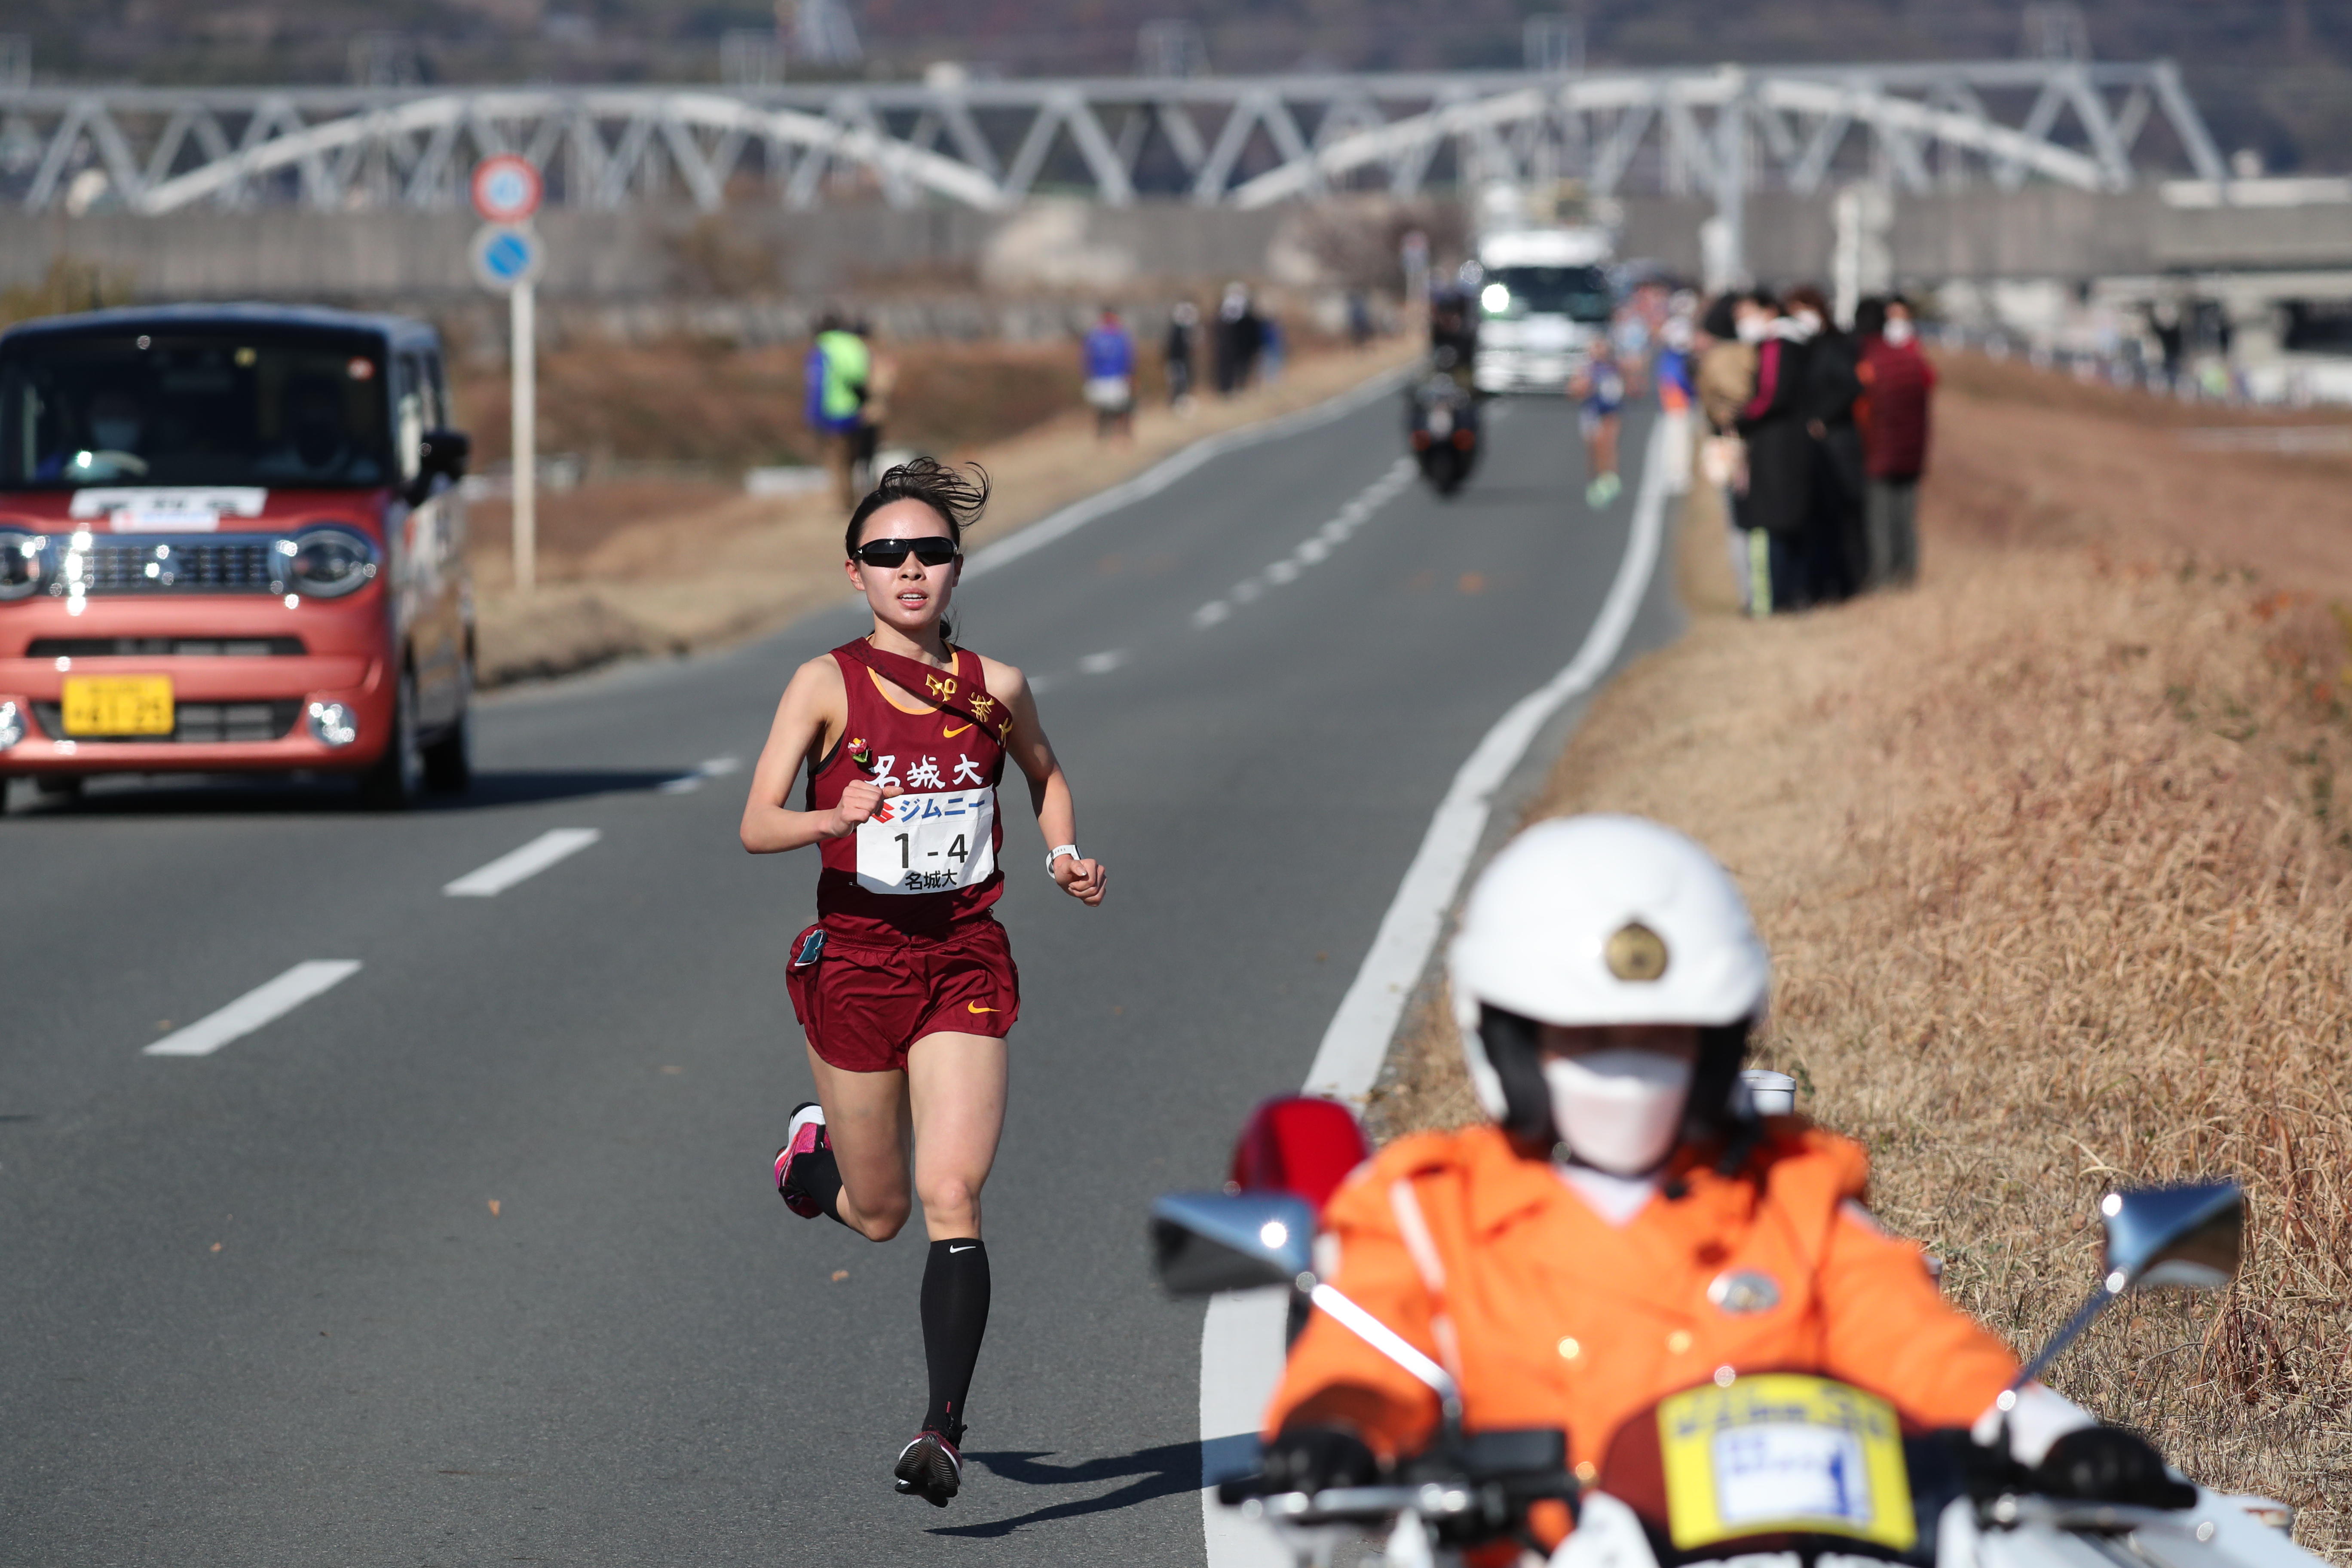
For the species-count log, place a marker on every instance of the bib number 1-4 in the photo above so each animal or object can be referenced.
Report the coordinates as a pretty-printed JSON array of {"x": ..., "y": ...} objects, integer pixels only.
[{"x": 929, "y": 842}]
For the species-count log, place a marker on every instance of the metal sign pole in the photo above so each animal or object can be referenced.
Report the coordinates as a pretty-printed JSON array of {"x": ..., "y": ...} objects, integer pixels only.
[{"x": 521, "y": 310}]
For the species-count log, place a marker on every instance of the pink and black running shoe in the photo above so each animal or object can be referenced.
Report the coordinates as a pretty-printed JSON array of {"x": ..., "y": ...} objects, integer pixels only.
[
  {"x": 805, "y": 1136},
  {"x": 930, "y": 1469}
]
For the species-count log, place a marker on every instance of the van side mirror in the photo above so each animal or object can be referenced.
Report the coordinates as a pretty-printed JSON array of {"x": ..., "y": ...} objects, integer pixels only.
[
  {"x": 1206, "y": 1242},
  {"x": 443, "y": 452}
]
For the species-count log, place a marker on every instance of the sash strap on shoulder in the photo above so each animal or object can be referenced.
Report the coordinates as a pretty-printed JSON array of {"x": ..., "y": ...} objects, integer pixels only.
[{"x": 960, "y": 692}]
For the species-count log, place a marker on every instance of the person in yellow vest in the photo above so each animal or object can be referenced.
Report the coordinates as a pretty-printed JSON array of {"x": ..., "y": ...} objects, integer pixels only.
[{"x": 837, "y": 371}]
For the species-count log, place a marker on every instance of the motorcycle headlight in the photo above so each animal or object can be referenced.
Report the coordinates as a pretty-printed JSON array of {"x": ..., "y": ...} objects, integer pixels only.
[
  {"x": 326, "y": 562},
  {"x": 24, "y": 564}
]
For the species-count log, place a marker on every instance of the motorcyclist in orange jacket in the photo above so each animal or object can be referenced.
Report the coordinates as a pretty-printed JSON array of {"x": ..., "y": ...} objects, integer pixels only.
[{"x": 1626, "y": 1226}]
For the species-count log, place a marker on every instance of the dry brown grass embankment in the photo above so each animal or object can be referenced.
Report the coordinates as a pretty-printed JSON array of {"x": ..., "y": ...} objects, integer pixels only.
[{"x": 2050, "y": 857}]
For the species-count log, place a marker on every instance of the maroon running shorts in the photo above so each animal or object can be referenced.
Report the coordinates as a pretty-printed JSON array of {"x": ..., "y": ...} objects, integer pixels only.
[{"x": 862, "y": 1002}]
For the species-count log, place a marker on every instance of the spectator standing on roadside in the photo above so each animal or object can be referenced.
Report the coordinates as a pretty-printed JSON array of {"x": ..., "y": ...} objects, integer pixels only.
[
  {"x": 1836, "y": 554},
  {"x": 1360, "y": 320},
  {"x": 1274, "y": 349},
  {"x": 1780, "y": 507},
  {"x": 1238, "y": 340},
  {"x": 1673, "y": 370},
  {"x": 1900, "y": 385},
  {"x": 1111, "y": 375},
  {"x": 1724, "y": 381},
  {"x": 834, "y": 375},
  {"x": 1177, "y": 353}
]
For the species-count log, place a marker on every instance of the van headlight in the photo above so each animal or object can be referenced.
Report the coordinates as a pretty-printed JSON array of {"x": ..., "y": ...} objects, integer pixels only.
[
  {"x": 24, "y": 564},
  {"x": 324, "y": 562}
]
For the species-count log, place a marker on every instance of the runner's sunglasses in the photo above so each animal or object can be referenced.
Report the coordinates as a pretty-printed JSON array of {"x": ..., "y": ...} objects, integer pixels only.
[{"x": 933, "y": 551}]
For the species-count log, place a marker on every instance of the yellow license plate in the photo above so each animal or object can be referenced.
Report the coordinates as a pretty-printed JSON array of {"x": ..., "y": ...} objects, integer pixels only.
[
  {"x": 1784, "y": 1453},
  {"x": 118, "y": 705}
]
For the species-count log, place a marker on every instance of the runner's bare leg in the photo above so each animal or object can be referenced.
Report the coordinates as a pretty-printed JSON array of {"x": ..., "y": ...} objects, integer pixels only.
[
  {"x": 957, "y": 1085},
  {"x": 866, "y": 1120}
]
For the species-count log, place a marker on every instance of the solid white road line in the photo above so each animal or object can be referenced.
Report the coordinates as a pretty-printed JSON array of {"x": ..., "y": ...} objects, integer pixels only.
[
  {"x": 687, "y": 783},
  {"x": 555, "y": 844},
  {"x": 1167, "y": 472},
  {"x": 260, "y": 1005},
  {"x": 1241, "y": 1341}
]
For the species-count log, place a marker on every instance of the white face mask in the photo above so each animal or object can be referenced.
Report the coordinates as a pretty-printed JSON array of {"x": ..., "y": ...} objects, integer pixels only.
[
  {"x": 1812, "y": 320},
  {"x": 1751, "y": 328},
  {"x": 1898, "y": 330},
  {"x": 1620, "y": 1109}
]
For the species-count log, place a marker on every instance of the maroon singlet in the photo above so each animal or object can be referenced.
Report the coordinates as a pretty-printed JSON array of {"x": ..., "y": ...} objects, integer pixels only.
[{"x": 941, "y": 759}]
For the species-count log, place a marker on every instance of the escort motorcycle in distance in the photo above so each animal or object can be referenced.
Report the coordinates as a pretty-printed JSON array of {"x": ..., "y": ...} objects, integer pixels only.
[{"x": 1441, "y": 425}]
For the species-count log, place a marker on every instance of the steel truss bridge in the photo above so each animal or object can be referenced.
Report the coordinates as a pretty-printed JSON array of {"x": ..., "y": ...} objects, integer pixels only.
[{"x": 1239, "y": 142}]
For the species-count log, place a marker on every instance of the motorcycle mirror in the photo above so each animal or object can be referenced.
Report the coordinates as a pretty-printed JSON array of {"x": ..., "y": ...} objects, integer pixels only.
[
  {"x": 1206, "y": 1242},
  {"x": 2191, "y": 1235}
]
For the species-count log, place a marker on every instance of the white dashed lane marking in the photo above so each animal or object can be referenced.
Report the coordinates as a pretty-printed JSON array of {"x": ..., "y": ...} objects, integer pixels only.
[
  {"x": 687, "y": 783},
  {"x": 1314, "y": 549},
  {"x": 262, "y": 1004},
  {"x": 556, "y": 843},
  {"x": 1102, "y": 663}
]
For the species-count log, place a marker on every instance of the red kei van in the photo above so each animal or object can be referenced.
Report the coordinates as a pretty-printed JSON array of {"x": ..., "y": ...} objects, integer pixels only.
[{"x": 231, "y": 540}]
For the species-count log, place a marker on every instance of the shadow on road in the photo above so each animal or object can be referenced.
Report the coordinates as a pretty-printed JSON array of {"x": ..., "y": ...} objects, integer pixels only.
[
  {"x": 1150, "y": 1473},
  {"x": 185, "y": 796}
]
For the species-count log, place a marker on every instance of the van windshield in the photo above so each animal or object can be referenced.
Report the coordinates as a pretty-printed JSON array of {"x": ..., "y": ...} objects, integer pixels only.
[
  {"x": 193, "y": 406},
  {"x": 1581, "y": 293}
]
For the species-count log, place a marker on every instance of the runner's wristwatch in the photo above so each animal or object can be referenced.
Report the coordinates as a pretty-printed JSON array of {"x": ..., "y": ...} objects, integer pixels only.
[{"x": 1056, "y": 852}]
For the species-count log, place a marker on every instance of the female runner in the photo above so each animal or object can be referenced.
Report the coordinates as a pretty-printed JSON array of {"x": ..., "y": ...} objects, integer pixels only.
[{"x": 905, "y": 986}]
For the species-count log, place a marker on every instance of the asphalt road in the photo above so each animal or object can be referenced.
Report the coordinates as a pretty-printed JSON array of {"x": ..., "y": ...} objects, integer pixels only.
[{"x": 474, "y": 1257}]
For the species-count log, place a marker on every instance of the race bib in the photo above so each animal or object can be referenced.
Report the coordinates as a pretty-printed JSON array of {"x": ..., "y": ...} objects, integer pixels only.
[
  {"x": 929, "y": 842},
  {"x": 1783, "y": 1453}
]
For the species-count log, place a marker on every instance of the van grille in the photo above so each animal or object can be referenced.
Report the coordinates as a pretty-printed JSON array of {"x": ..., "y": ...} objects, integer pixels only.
[
  {"x": 191, "y": 566},
  {"x": 154, "y": 648},
  {"x": 197, "y": 723}
]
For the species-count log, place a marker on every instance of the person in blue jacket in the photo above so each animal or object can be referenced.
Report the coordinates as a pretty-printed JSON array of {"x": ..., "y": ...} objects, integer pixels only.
[{"x": 1111, "y": 375}]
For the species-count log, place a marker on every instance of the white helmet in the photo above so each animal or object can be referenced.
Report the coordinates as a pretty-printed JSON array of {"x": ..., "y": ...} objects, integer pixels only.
[{"x": 1603, "y": 919}]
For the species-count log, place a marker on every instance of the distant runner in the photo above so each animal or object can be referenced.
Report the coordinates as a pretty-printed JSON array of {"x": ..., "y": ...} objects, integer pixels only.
[
  {"x": 1599, "y": 392},
  {"x": 905, "y": 986}
]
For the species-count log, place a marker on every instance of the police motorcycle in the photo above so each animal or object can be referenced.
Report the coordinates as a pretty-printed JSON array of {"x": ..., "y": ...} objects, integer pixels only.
[
  {"x": 1441, "y": 405},
  {"x": 1442, "y": 424},
  {"x": 1764, "y": 1470}
]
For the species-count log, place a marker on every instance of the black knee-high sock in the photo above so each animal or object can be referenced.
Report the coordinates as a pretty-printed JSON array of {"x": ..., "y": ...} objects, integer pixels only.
[{"x": 955, "y": 1316}]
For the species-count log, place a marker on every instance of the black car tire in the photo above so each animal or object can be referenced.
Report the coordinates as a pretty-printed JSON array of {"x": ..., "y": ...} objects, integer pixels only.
[
  {"x": 449, "y": 760},
  {"x": 398, "y": 777}
]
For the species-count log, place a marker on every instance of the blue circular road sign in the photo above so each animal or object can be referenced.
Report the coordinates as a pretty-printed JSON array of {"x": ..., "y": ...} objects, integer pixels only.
[{"x": 504, "y": 258}]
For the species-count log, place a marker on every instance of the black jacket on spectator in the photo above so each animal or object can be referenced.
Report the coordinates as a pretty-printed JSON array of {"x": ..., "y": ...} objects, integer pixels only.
[
  {"x": 1779, "y": 452},
  {"x": 1840, "y": 552}
]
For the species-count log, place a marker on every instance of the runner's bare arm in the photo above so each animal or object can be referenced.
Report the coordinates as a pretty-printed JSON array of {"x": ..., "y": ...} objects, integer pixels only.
[
  {"x": 809, "y": 720},
  {"x": 1049, "y": 791}
]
